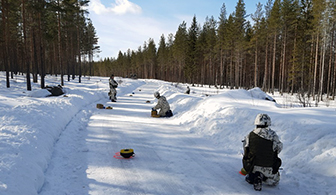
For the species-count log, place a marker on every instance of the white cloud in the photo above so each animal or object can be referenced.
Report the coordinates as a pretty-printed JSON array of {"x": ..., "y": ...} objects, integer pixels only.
[
  {"x": 120, "y": 7},
  {"x": 124, "y": 6},
  {"x": 119, "y": 32},
  {"x": 125, "y": 32}
]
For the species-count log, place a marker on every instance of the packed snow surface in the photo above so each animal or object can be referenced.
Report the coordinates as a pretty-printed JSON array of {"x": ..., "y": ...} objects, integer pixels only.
[{"x": 55, "y": 145}]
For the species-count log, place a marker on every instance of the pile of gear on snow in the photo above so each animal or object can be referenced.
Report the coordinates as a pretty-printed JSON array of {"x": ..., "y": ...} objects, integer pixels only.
[{"x": 55, "y": 90}]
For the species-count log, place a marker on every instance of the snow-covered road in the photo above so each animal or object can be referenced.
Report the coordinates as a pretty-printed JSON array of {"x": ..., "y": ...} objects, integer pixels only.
[{"x": 169, "y": 159}]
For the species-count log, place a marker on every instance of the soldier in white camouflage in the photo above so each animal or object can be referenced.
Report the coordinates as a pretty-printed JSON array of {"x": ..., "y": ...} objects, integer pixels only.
[
  {"x": 113, "y": 92},
  {"x": 163, "y": 105},
  {"x": 261, "y": 149}
]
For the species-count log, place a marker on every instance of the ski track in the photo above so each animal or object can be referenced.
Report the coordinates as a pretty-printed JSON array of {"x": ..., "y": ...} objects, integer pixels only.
[{"x": 169, "y": 159}]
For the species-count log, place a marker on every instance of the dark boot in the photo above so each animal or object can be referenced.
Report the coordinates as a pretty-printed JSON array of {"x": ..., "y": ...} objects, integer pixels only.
[
  {"x": 249, "y": 178},
  {"x": 257, "y": 184}
]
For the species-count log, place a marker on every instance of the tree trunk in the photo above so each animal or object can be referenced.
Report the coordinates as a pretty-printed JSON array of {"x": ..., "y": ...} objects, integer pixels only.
[
  {"x": 315, "y": 69},
  {"x": 41, "y": 45},
  {"x": 256, "y": 65},
  {"x": 334, "y": 80},
  {"x": 26, "y": 60},
  {"x": 34, "y": 57},
  {"x": 322, "y": 70},
  {"x": 221, "y": 67},
  {"x": 273, "y": 63},
  {"x": 4, "y": 10},
  {"x": 59, "y": 45},
  {"x": 265, "y": 85},
  {"x": 79, "y": 56},
  {"x": 283, "y": 65},
  {"x": 330, "y": 66}
]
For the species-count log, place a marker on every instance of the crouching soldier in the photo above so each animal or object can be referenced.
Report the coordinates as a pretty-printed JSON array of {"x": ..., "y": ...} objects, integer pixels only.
[
  {"x": 163, "y": 105},
  {"x": 188, "y": 90},
  {"x": 261, "y": 149}
]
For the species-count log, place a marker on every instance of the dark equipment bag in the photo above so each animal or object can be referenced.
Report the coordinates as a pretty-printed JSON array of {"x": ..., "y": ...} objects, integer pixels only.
[{"x": 55, "y": 90}]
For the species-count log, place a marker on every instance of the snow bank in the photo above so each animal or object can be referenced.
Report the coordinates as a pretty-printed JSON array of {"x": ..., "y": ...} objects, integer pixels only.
[
  {"x": 226, "y": 116},
  {"x": 308, "y": 134},
  {"x": 30, "y": 125}
]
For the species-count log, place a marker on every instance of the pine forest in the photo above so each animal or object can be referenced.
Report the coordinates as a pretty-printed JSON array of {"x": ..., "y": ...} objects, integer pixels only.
[
  {"x": 285, "y": 45},
  {"x": 39, "y": 37}
]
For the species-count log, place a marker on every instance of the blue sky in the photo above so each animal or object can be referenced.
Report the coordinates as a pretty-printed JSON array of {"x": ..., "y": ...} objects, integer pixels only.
[{"x": 127, "y": 24}]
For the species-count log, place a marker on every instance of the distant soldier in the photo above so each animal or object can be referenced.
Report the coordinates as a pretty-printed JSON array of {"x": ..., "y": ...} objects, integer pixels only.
[
  {"x": 188, "y": 90},
  {"x": 113, "y": 92}
]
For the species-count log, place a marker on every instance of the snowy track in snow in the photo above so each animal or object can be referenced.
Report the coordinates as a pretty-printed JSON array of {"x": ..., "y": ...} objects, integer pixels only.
[
  {"x": 65, "y": 145},
  {"x": 169, "y": 159}
]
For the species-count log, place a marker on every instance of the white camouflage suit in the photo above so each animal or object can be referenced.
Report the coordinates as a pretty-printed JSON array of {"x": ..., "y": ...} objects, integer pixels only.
[
  {"x": 163, "y": 105},
  {"x": 269, "y": 134},
  {"x": 113, "y": 91}
]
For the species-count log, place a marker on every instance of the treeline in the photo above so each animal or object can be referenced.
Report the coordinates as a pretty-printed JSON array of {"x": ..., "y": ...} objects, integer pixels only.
[
  {"x": 39, "y": 37},
  {"x": 289, "y": 45}
]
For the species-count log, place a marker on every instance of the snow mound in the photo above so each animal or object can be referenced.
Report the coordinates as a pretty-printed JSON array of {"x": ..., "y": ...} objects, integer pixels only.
[
  {"x": 258, "y": 93},
  {"x": 39, "y": 93}
]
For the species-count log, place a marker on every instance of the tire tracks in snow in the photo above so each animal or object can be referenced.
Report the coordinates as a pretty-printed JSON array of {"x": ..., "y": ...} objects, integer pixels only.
[
  {"x": 169, "y": 159},
  {"x": 147, "y": 163}
]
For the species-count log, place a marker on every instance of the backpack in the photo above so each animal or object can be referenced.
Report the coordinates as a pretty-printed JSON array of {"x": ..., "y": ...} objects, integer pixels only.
[{"x": 55, "y": 90}]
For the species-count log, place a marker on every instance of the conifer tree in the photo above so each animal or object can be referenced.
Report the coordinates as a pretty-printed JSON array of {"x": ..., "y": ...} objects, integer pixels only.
[
  {"x": 239, "y": 32},
  {"x": 5, "y": 38},
  {"x": 257, "y": 18},
  {"x": 150, "y": 58},
  {"x": 162, "y": 57},
  {"x": 191, "y": 66},
  {"x": 170, "y": 59},
  {"x": 274, "y": 26},
  {"x": 209, "y": 29},
  {"x": 180, "y": 49},
  {"x": 317, "y": 12},
  {"x": 222, "y": 43},
  {"x": 91, "y": 41},
  {"x": 231, "y": 36},
  {"x": 200, "y": 58}
]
